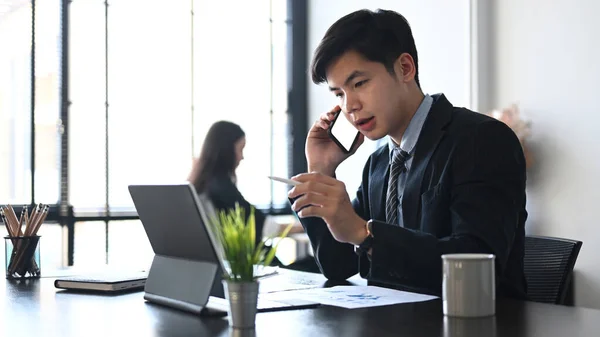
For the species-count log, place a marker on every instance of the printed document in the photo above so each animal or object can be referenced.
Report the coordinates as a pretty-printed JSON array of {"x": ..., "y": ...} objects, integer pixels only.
[{"x": 352, "y": 297}]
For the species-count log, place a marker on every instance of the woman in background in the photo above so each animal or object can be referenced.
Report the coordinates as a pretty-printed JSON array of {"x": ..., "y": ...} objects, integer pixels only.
[{"x": 214, "y": 174}]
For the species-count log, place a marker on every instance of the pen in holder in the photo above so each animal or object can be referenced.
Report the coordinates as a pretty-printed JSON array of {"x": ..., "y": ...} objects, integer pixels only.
[
  {"x": 22, "y": 245},
  {"x": 22, "y": 257}
]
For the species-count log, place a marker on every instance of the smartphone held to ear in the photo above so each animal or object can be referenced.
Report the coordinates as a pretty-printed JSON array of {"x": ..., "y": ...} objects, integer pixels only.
[{"x": 343, "y": 133}]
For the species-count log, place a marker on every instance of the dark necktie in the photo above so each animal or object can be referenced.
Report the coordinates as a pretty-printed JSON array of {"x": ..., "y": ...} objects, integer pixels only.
[{"x": 398, "y": 166}]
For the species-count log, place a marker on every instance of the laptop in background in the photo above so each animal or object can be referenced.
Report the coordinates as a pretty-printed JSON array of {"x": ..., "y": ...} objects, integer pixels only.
[{"x": 187, "y": 268}]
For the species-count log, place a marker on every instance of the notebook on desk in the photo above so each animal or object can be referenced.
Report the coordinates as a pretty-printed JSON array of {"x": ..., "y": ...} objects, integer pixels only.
[
  {"x": 103, "y": 282},
  {"x": 187, "y": 267}
]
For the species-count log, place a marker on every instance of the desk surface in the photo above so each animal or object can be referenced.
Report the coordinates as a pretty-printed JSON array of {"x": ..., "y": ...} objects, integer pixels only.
[{"x": 36, "y": 308}]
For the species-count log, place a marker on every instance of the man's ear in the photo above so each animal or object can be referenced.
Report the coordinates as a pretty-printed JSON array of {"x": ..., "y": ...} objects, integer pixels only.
[{"x": 404, "y": 67}]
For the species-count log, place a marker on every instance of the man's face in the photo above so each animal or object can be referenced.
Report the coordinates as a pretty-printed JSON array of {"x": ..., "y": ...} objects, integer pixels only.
[{"x": 371, "y": 98}]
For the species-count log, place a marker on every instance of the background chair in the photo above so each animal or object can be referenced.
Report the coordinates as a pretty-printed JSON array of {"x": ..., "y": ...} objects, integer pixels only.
[{"x": 549, "y": 266}]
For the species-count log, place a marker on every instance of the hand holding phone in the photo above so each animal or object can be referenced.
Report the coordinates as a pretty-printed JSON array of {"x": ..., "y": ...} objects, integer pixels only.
[
  {"x": 323, "y": 150},
  {"x": 343, "y": 133}
]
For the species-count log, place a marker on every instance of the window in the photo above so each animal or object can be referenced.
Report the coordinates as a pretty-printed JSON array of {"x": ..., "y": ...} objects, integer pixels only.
[
  {"x": 16, "y": 113},
  {"x": 122, "y": 244},
  {"x": 128, "y": 245},
  {"x": 15, "y": 102},
  {"x": 240, "y": 75},
  {"x": 123, "y": 93},
  {"x": 47, "y": 101},
  {"x": 87, "y": 109},
  {"x": 30, "y": 152},
  {"x": 149, "y": 95},
  {"x": 143, "y": 95}
]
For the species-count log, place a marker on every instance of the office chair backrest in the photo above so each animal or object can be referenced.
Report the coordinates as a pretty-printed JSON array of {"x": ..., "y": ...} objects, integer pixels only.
[{"x": 548, "y": 267}]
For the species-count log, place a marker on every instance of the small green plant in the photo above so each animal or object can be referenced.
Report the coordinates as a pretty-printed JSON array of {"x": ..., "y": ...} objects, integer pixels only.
[{"x": 237, "y": 236}]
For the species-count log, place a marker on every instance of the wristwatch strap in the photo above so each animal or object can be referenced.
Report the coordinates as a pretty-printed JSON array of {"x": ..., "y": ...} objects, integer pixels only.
[{"x": 364, "y": 247}]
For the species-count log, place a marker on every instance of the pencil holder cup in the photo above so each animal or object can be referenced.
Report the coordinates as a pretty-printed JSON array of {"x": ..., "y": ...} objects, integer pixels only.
[{"x": 22, "y": 257}]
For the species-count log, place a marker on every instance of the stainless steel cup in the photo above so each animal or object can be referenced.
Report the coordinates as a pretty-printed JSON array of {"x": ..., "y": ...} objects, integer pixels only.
[{"x": 469, "y": 285}]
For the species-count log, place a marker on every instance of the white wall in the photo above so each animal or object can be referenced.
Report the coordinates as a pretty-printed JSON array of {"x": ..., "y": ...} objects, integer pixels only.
[
  {"x": 441, "y": 32},
  {"x": 546, "y": 58}
]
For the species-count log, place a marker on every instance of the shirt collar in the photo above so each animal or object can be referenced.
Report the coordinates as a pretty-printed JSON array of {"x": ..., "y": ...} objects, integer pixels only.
[{"x": 411, "y": 135}]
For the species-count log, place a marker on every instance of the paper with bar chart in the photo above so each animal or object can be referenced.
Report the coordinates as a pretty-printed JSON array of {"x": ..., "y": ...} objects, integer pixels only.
[{"x": 352, "y": 297}]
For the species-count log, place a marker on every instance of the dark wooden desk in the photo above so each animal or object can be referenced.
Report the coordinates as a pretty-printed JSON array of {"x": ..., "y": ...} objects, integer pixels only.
[{"x": 36, "y": 308}]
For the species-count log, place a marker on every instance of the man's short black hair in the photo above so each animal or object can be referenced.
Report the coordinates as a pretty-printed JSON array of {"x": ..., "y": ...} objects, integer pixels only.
[{"x": 380, "y": 36}]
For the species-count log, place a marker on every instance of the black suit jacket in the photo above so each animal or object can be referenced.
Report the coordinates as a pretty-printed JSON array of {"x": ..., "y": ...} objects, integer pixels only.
[
  {"x": 464, "y": 193},
  {"x": 224, "y": 195}
]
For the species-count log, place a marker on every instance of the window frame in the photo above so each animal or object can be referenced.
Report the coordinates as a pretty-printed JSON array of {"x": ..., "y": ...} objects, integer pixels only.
[{"x": 63, "y": 212}]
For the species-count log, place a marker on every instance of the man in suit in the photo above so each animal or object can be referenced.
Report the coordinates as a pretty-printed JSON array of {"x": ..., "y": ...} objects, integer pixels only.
[{"x": 449, "y": 181}]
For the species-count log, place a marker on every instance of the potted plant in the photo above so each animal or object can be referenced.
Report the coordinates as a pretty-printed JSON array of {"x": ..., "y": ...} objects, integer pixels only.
[{"x": 236, "y": 234}]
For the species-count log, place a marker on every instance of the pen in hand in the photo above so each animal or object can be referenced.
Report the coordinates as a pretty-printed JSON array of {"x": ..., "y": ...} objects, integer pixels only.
[{"x": 285, "y": 181}]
